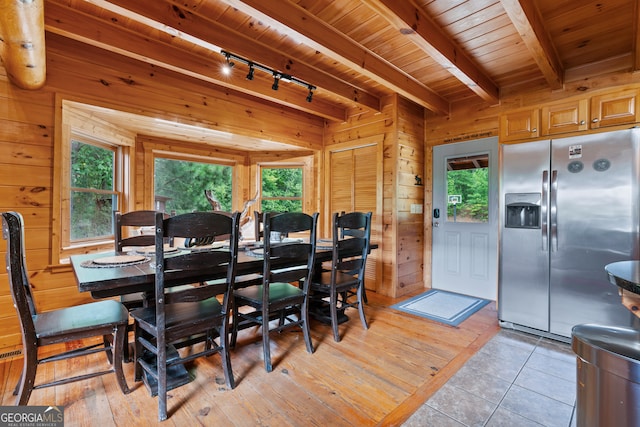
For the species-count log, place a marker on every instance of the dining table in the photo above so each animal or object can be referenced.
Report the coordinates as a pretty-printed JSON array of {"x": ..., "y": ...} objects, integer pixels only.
[
  {"x": 135, "y": 272},
  {"x": 104, "y": 279},
  {"x": 110, "y": 274}
]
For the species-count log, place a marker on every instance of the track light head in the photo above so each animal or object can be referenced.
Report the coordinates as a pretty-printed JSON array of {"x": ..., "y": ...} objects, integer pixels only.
[
  {"x": 276, "y": 81},
  {"x": 251, "y": 71},
  {"x": 310, "y": 96},
  {"x": 226, "y": 68}
]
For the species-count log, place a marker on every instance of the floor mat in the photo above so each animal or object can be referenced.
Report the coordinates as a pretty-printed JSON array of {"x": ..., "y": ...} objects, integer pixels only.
[{"x": 442, "y": 306}]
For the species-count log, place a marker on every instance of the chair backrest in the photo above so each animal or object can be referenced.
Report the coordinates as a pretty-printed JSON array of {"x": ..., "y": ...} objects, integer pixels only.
[
  {"x": 351, "y": 234},
  {"x": 122, "y": 223},
  {"x": 207, "y": 264},
  {"x": 13, "y": 233},
  {"x": 298, "y": 256},
  {"x": 259, "y": 223}
]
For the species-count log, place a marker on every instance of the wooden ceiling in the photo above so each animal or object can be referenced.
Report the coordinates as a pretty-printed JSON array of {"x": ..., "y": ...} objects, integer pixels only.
[{"x": 433, "y": 52}]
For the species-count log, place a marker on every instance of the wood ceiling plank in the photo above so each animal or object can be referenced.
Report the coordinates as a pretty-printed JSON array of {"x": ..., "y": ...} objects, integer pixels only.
[
  {"x": 528, "y": 22},
  {"x": 422, "y": 31},
  {"x": 328, "y": 41}
]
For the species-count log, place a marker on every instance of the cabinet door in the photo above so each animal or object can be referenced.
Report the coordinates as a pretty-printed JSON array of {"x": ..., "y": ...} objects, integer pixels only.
[
  {"x": 615, "y": 108},
  {"x": 565, "y": 117},
  {"x": 519, "y": 125}
]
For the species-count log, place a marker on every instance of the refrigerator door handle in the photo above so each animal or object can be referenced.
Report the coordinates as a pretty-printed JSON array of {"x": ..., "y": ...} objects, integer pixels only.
[
  {"x": 543, "y": 210},
  {"x": 553, "y": 211}
]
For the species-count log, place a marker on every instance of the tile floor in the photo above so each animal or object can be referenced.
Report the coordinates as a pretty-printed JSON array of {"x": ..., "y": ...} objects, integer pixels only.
[{"x": 516, "y": 379}]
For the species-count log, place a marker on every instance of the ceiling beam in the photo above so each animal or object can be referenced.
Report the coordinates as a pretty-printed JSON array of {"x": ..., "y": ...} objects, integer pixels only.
[
  {"x": 636, "y": 36},
  {"x": 107, "y": 34},
  {"x": 22, "y": 46},
  {"x": 187, "y": 21},
  {"x": 525, "y": 17},
  {"x": 327, "y": 40},
  {"x": 428, "y": 36}
]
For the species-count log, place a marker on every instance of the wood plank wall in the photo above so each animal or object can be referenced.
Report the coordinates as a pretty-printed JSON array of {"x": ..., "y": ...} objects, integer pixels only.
[{"x": 410, "y": 152}]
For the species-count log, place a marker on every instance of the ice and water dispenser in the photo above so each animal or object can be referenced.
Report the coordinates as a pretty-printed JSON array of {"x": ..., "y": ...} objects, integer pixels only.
[{"x": 522, "y": 210}]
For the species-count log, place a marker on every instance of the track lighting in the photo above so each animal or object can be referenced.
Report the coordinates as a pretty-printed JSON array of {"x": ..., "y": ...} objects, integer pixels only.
[{"x": 277, "y": 75}]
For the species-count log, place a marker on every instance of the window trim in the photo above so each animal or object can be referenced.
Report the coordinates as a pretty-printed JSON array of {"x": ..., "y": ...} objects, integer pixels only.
[
  {"x": 73, "y": 124},
  {"x": 152, "y": 147}
]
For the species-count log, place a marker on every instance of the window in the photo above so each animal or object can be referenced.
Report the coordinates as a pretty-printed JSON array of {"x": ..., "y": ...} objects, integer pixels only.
[
  {"x": 93, "y": 192},
  {"x": 281, "y": 189},
  {"x": 468, "y": 188},
  {"x": 180, "y": 184}
]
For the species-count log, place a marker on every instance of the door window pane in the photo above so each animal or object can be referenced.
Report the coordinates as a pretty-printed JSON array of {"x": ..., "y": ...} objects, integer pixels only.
[
  {"x": 468, "y": 188},
  {"x": 180, "y": 185}
]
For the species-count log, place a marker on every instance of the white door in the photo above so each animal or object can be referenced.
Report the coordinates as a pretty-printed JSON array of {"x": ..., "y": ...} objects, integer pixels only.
[{"x": 465, "y": 218}]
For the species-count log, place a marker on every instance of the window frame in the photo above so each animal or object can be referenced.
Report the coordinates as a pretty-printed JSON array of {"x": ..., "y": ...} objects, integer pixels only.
[
  {"x": 189, "y": 156},
  {"x": 301, "y": 166},
  {"x": 116, "y": 190},
  {"x": 74, "y": 125}
]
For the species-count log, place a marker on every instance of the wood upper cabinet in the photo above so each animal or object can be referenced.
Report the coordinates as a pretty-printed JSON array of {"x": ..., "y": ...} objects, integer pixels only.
[
  {"x": 565, "y": 117},
  {"x": 615, "y": 108},
  {"x": 519, "y": 125}
]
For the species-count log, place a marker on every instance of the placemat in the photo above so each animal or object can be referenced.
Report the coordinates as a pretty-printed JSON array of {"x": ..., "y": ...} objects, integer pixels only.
[{"x": 115, "y": 261}]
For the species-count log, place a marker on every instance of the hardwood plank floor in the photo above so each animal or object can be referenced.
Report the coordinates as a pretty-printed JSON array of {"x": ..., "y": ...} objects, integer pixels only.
[{"x": 377, "y": 377}]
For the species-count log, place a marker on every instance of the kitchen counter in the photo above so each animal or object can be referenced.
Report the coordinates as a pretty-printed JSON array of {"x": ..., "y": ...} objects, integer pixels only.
[{"x": 626, "y": 275}]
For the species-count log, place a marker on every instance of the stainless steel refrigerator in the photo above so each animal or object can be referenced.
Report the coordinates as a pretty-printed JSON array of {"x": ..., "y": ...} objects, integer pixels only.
[{"x": 568, "y": 207}]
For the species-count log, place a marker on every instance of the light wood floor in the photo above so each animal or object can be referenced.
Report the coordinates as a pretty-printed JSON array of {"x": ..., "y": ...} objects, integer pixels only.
[{"x": 377, "y": 377}]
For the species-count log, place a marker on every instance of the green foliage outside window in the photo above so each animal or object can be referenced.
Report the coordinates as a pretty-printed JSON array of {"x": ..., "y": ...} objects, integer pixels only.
[
  {"x": 281, "y": 190},
  {"x": 183, "y": 183},
  {"x": 473, "y": 186},
  {"x": 92, "y": 191}
]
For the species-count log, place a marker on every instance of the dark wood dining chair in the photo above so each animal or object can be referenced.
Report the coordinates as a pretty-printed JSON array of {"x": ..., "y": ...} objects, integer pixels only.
[
  {"x": 285, "y": 265},
  {"x": 343, "y": 284},
  {"x": 259, "y": 223},
  {"x": 106, "y": 320},
  {"x": 126, "y": 234},
  {"x": 194, "y": 314}
]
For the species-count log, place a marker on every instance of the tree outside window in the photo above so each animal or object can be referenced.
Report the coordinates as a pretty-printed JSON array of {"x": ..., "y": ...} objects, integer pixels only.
[
  {"x": 179, "y": 185},
  {"x": 93, "y": 192},
  {"x": 468, "y": 189},
  {"x": 281, "y": 189}
]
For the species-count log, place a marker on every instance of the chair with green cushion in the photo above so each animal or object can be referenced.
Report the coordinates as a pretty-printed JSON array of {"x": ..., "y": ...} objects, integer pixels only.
[
  {"x": 285, "y": 265},
  {"x": 105, "y": 321}
]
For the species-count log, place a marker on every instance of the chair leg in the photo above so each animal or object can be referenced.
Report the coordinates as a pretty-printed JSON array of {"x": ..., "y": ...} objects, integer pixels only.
[
  {"x": 234, "y": 327},
  {"x": 333, "y": 307},
  {"x": 266, "y": 350},
  {"x": 137, "y": 354},
  {"x": 304, "y": 313},
  {"x": 28, "y": 376},
  {"x": 361, "y": 296},
  {"x": 162, "y": 380},
  {"x": 223, "y": 333},
  {"x": 119, "y": 342}
]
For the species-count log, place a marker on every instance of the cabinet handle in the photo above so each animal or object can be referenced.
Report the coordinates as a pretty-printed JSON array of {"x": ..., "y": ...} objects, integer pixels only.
[
  {"x": 534, "y": 130},
  {"x": 582, "y": 122},
  {"x": 594, "y": 120}
]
